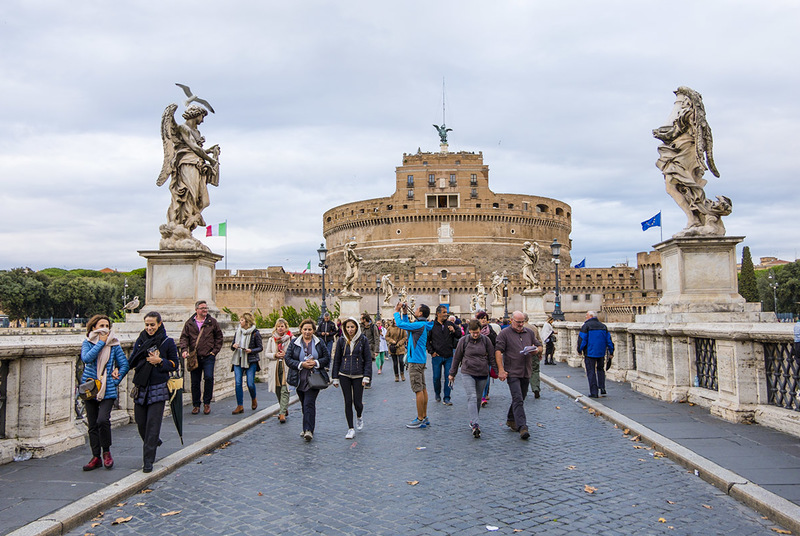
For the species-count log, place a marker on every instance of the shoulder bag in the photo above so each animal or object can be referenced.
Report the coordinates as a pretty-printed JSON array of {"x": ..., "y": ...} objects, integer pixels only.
[{"x": 191, "y": 358}]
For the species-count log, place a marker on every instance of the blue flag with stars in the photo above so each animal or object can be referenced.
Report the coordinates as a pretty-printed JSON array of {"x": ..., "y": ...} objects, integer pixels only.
[
  {"x": 581, "y": 264},
  {"x": 655, "y": 221}
]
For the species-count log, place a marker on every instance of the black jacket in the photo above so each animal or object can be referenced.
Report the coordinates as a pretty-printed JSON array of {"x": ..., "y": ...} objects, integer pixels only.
[
  {"x": 328, "y": 327},
  {"x": 256, "y": 346},
  {"x": 441, "y": 340},
  {"x": 359, "y": 363},
  {"x": 294, "y": 356},
  {"x": 156, "y": 374}
]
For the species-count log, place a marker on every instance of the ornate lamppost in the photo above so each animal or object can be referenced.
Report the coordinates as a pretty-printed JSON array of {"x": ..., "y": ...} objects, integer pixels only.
[
  {"x": 505, "y": 298},
  {"x": 377, "y": 298},
  {"x": 773, "y": 282},
  {"x": 125, "y": 293},
  {"x": 555, "y": 249},
  {"x": 323, "y": 255}
]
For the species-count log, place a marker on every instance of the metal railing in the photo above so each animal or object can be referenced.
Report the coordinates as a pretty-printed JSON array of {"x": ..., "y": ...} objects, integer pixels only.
[
  {"x": 705, "y": 358},
  {"x": 782, "y": 369},
  {"x": 3, "y": 396}
]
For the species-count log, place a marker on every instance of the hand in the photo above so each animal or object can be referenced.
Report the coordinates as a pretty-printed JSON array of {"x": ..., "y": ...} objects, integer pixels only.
[
  {"x": 398, "y": 307},
  {"x": 248, "y": 350},
  {"x": 279, "y": 355},
  {"x": 235, "y": 346},
  {"x": 451, "y": 328},
  {"x": 104, "y": 336},
  {"x": 184, "y": 354},
  {"x": 115, "y": 374},
  {"x": 154, "y": 359},
  {"x": 364, "y": 381},
  {"x": 502, "y": 375},
  {"x": 451, "y": 378},
  {"x": 336, "y": 382}
]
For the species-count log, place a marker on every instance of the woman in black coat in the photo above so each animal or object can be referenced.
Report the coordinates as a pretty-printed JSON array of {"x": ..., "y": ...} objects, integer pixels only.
[
  {"x": 307, "y": 355},
  {"x": 153, "y": 357},
  {"x": 352, "y": 368}
]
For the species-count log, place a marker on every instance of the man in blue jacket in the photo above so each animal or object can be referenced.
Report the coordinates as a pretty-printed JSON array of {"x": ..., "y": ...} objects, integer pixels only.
[
  {"x": 593, "y": 342},
  {"x": 416, "y": 356}
]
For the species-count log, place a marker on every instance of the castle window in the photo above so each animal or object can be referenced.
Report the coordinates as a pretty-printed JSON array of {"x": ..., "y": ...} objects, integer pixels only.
[
  {"x": 329, "y": 219},
  {"x": 559, "y": 212},
  {"x": 389, "y": 207},
  {"x": 411, "y": 194},
  {"x": 588, "y": 297},
  {"x": 477, "y": 205},
  {"x": 361, "y": 211},
  {"x": 525, "y": 205},
  {"x": 575, "y": 297},
  {"x": 513, "y": 231},
  {"x": 398, "y": 231},
  {"x": 511, "y": 205},
  {"x": 495, "y": 205},
  {"x": 441, "y": 201},
  {"x": 453, "y": 179},
  {"x": 424, "y": 162},
  {"x": 444, "y": 274},
  {"x": 410, "y": 181},
  {"x": 431, "y": 179},
  {"x": 405, "y": 207},
  {"x": 473, "y": 193},
  {"x": 542, "y": 208},
  {"x": 473, "y": 180}
]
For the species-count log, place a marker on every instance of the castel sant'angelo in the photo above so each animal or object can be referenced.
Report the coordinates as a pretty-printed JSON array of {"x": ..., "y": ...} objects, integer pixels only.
[{"x": 440, "y": 233}]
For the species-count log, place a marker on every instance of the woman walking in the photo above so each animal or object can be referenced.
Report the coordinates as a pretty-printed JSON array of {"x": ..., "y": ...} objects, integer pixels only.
[
  {"x": 307, "y": 355},
  {"x": 105, "y": 362},
  {"x": 475, "y": 354},
  {"x": 245, "y": 361},
  {"x": 153, "y": 357},
  {"x": 396, "y": 339},
  {"x": 383, "y": 348},
  {"x": 275, "y": 352},
  {"x": 352, "y": 369}
]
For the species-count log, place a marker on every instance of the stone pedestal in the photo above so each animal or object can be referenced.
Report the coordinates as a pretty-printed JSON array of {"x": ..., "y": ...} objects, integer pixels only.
[
  {"x": 498, "y": 311},
  {"x": 387, "y": 312},
  {"x": 350, "y": 306},
  {"x": 533, "y": 305},
  {"x": 700, "y": 283}
]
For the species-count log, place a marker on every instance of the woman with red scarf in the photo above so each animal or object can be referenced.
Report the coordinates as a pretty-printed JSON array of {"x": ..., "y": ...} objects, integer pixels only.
[{"x": 276, "y": 371}]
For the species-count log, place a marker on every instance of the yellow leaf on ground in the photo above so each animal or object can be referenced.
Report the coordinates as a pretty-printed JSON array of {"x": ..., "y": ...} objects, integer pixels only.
[
  {"x": 781, "y": 531},
  {"x": 172, "y": 513},
  {"x": 120, "y": 520},
  {"x": 659, "y": 454},
  {"x": 662, "y": 520},
  {"x": 120, "y": 505},
  {"x": 558, "y": 407},
  {"x": 260, "y": 494},
  {"x": 589, "y": 489},
  {"x": 639, "y": 447},
  {"x": 571, "y": 467},
  {"x": 568, "y": 376},
  {"x": 225, "y": 445},
  {"x": 146, "y": 491},
  {"x": 636, "y": 438},
  {"x": 670, "y": 502},
  {"x": 95, "y": 524},
  {"x": 412, "y": 482},
  {"x": 626, "y": 431},
  {"x": 707, "y": 506},
  {"x": 98, "y": 516},
  {"x": 139, "y": 504}
]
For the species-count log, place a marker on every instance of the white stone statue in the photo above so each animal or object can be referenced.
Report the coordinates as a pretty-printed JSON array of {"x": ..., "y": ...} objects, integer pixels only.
[
  {"x": 480, "y": 296},
  {"x": 473, "y": 304},
  {"x": 402, "y": 295},
  {"x": 387, "y": 287},
  {"x": 684, "y": 156},
  {"x": 497, "y": 286},
  {"x": 191, "y": 168},
  {"x": 412, "y": 303},
  {"x": 530, "y": 269},
  {"x": 352, "y": 261}
]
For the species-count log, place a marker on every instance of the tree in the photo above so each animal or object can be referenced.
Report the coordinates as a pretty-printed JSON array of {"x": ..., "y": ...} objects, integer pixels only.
[
  {"x": 23, "y": 293},
  {"x": 747, "y": 277}
]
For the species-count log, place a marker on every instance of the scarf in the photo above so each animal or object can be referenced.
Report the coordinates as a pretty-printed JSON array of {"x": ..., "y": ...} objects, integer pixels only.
[
  {"x": 242, "y": 338},
  {"x": 138, "y": 359},
  {"x": 103, "y": 358},
  {"x": 485, "y": 330},
  {"x": 279, "y": 341}
]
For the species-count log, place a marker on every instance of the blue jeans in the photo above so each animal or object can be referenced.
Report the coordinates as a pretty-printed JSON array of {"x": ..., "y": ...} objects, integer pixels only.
[
  {"x": 204, "y": 372},
  {"x": 439, "y": 363},
  {"x": 329, "y": 346},
  {"x": 251, "y": 382}
]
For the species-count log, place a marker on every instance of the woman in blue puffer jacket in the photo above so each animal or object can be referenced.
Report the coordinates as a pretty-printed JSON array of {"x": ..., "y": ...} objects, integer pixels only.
[
  {"x": 105, "y": 361},
  {"x": 352, "y": 369}
]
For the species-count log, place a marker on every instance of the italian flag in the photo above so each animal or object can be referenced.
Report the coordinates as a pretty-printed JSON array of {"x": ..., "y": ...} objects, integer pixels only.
[
  {"x": 217, "y": 230},
  {"x": 307, "y": 267}
]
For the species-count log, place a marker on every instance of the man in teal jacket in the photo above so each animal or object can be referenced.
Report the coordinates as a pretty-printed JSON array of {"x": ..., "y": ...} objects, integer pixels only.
[{"x": 417, "y": 356}]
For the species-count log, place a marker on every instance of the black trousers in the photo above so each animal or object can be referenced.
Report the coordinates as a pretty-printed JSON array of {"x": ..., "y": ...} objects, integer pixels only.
[
  {"x": 398, "y": 364},
  {"x": 148, "y": 420},
  {"x": 308, "y": 399},
  {"x": 353, "y": 391},
  {"x": 204, "y": 371},
  {"x": 98, "y": 415},
  {"x": 519, "y": 390}
]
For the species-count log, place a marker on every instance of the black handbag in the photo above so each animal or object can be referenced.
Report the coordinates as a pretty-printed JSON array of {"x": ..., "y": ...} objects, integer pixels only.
[
  {"x": 317, "y": 379},
  {"x": 88, "y": 390}
]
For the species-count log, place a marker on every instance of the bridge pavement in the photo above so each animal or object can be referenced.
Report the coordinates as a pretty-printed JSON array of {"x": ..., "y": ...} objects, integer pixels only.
[{"x": 577, "y": 474}]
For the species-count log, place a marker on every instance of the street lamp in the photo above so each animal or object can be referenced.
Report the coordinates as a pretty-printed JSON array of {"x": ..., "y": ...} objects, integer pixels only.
[
  {"x": 323, "y": 255},
  {"x": 773, "y": 282},
  {"x": 505, "y": 298},
  {"x": 555, "y": 249},
  {"x": 125, "y": 293},
  {"x": 378, "y": 298}
]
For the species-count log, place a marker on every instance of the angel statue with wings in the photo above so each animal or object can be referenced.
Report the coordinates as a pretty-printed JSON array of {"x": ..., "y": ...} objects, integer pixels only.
[{"x": 191, "y": 168}]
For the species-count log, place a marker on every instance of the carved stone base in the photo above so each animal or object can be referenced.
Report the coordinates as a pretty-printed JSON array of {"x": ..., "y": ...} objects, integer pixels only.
[
  {"x": 533, "y": 305},
  {"x": 387, "y": 312},
  {"x": 350, "y": 306},
  {"x": 700, "y": 283},
  {"x": 498, "y": 311}
]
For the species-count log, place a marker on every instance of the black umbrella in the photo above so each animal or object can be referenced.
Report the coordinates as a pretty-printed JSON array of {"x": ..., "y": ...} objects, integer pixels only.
[{"x": 175, "y": 385}]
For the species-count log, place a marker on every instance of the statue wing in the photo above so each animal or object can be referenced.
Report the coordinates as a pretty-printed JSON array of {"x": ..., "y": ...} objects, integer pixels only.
[{"x": 169, "y": 136}]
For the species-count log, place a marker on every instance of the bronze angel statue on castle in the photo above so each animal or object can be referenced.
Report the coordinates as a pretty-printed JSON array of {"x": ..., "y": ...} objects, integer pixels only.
[{"x": 191, "y": 168}]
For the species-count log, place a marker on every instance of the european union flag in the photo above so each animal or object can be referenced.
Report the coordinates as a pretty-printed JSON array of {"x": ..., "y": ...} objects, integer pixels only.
[
  {"x": 655, "y": 221},
  {"x": 581, "y": 264}
]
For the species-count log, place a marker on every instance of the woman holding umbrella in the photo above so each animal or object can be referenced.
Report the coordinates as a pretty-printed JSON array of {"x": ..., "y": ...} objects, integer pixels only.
[{"x": 153, "y": 357}]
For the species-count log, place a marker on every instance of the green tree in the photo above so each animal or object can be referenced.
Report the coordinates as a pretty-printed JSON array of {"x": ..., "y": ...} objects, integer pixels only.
[
  {"x": 747, "y": 277},
  {"x": 23, "y": 293}
]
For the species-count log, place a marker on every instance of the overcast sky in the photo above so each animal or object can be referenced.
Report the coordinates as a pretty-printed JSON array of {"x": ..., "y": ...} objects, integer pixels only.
[{"x": 317, "y": 101}]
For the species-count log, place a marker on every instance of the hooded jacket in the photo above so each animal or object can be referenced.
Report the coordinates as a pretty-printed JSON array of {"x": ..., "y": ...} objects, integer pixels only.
[{"x": 352, "y": 359}]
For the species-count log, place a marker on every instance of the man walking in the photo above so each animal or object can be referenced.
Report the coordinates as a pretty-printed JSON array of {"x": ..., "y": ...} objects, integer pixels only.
[
  {"x": 416, "y": 358},
  {"x": 593, "y": 341},
  {"x": 535, "y": 381},
  {"x": 442, "y": 341},
  {"x": 516, "y": 347},
  {"x": 202, "y": 333},
  {"x": 326, "y": 330}
]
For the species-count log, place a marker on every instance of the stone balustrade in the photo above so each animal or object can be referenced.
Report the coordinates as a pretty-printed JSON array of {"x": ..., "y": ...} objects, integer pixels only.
[{"x": 753, "y": 376}]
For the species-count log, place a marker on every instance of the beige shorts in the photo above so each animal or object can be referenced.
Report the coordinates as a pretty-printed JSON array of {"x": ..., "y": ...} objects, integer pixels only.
[{"x": 416, "y": 374}]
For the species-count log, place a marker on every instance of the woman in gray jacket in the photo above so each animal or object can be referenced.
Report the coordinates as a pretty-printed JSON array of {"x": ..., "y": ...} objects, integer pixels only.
[{"x": 475, "y": 354}]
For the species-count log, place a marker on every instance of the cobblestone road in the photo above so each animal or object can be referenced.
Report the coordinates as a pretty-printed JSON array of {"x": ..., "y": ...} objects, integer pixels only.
[{"x": 268, "y": 481}]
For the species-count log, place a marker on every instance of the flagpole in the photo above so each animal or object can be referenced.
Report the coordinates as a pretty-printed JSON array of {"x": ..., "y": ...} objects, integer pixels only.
[
  {"x": 661, "y": 227},
  {"x": 226, "y": 244}
]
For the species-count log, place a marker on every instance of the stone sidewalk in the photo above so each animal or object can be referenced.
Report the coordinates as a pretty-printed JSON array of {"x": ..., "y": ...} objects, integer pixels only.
[{"x": 253, "y": 476}]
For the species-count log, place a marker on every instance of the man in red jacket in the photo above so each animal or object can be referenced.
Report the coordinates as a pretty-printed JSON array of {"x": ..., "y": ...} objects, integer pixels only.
[{"x": 208, "y": 344}]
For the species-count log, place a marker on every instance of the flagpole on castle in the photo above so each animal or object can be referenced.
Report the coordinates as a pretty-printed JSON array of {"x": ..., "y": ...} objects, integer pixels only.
[
  {"x": 661, "y": 227},
  {"x": 226, "y": 244}
]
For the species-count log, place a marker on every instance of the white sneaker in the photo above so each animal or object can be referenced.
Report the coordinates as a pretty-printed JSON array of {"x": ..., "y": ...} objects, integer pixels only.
[
  {"x": 350, "y": 434},
  {"x": 359, "y": 423}
]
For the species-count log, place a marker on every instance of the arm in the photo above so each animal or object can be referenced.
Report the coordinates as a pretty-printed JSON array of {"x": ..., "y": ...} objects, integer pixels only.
[
  {"x": 292, "y": 357},
  {"x": 256, "y": 343},
  {"x": 609, "y": 344},
  {"x": 337, "y": 359},
  {"x": 90, "y": 352},
  {"x": 367, "y": 357},
  {"x": 170, "y": 358},
  {"x": 492, "y": 356},
  {"x": 403, "y": 323},
  {"x": 323, "y": 356},
  {"x": 184, "y": 342},
  {"x": 121, "y": 362},
  {"x": 501, "y": 372},
  {"x": 218, "y": 338},
  {"x": 458, "y": 356}
]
